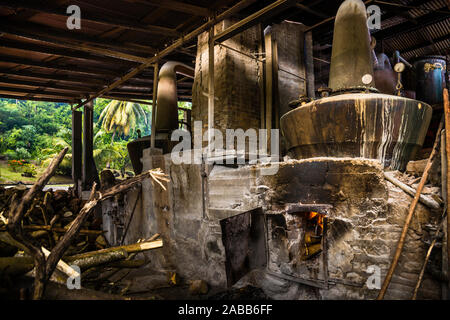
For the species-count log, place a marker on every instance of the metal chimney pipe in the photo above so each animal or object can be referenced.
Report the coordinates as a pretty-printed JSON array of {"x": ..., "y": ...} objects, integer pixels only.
[
  {"x": 166, "y": 99},
  {"x": 351, "y": 60}
]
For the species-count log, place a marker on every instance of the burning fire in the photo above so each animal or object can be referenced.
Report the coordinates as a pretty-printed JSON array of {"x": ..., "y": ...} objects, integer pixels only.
[{"x": 319, "y": 219}]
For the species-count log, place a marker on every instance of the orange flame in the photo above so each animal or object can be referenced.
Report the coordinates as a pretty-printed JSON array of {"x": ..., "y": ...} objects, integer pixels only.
[{"x": 316, "y": 215}]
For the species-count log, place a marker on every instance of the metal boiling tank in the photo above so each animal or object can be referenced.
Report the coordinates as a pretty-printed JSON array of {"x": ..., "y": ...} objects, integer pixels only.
[
  {"x": 430, "y": 79},
  {"x": 356, "y": 121}
]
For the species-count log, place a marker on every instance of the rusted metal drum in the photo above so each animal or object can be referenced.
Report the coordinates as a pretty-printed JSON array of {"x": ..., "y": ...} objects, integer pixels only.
[
  {"x": 358, "y": 125},
  {"x": 430, "y": 79},
  {"x": 135, "y": 149}
]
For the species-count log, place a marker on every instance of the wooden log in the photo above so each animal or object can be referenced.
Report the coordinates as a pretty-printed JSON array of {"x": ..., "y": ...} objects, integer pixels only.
[
  {"x": 127, "y": 264},
  {"x": 62, "y": 230},
  {"x": 431, "y": 203},
  {"x": 97, "y": 259},
  {"x": 14, "y": 266},
  {"x": 412, "y": 208},
  {"x": 130, "y": 248}
]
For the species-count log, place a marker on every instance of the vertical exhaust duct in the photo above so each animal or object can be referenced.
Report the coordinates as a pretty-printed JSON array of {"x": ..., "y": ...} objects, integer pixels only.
[{"x": 166, "y": 99}]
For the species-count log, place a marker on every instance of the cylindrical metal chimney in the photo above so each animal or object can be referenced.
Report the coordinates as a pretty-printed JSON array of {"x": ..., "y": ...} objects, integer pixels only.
[
  {"x": 166, "y": 100},
  {"x": 351, "y": 61}
]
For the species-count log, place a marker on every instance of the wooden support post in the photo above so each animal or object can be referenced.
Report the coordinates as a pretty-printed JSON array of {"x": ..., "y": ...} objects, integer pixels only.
[
  {"x": 447, "y": 147},
  {"x": 309, "y": 62},
  {"x": 444, "y": 174},
  {"x": 154, "y": 102},
  {"x": 77, "y": 150},
  {"x": 210, "y": 89},
  {"x": 275, "y": 92},
  {"x": 261, "y": 78},
  {"x": 269, "y": 85},
  {"x": 89, "y": 175}
]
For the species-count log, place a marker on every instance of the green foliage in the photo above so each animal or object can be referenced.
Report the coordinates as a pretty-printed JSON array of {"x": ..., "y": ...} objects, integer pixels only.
[
  {"x": 121, "y": 117},
  {"x": 39, "y": 130},
  {"x": 30, "y": 170}
]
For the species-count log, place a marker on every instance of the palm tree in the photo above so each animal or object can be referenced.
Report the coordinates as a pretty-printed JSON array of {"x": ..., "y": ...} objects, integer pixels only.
[{"x": 121, "y": 117}]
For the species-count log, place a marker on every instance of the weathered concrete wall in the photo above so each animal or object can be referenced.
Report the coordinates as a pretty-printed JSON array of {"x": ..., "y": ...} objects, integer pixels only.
[
  {"x": 365, "y": 222},
  {"x": 236, "y": 77},
  {"x": 289, "y": 37}
]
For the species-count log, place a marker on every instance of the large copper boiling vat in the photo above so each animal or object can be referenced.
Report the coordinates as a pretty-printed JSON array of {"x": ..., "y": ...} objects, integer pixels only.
[{"x": 367, "y": 125}]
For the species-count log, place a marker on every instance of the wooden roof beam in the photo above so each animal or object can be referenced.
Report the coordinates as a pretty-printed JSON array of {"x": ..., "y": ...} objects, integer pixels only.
[
  {"x": 50, "y": 99},
  {"x": 53, "y": 66},
  {"x": 50, "y": 77},
  {"x": 55, "y": 37},
  {"x": 67, "y": 53},
  {"x": 61, "y": 11},
  {"x": 408, "y": 26},
  {"x": 38, "y": 92},
  {"x": 254, "y": 19},
  {"x": 180, "y": 42},
  {"x": 176, "y": 6}
]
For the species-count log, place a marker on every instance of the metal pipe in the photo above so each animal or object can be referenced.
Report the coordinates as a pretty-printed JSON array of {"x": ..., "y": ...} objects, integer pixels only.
[{"x": 167, "y": 99}]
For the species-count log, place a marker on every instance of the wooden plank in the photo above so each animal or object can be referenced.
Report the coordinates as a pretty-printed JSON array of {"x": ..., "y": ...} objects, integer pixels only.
[{"x": 180, "y": 42}]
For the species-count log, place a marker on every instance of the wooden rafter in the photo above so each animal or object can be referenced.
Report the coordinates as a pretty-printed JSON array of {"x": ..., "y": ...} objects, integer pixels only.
[
  {"x": 56, "y": 37},
  {"x": 60, "y": 11},
  {"x": 150, "y": 61},
  {"x": 176, "y": 6}
]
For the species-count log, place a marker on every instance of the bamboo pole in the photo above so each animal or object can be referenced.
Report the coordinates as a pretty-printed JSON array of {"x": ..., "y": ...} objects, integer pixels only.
[
  {"x": 427, "y": 257},
  {"x": 412, "y": 208},
  {"x": 447, "y": 147}
]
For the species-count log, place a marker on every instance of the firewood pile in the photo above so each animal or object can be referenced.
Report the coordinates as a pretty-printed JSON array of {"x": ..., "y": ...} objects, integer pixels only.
[
  {"x": 49, "y": 217},
  {"x": 46, "y": 233}
]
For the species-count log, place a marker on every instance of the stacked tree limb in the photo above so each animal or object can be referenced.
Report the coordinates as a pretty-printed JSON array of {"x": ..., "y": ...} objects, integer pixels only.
[
  {"x": 412, "y": 208},
  {"x": 29, "y": 219}
]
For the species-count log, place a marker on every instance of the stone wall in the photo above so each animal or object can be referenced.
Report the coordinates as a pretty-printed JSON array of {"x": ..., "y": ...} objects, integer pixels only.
[{"x": 364, "y": 223}]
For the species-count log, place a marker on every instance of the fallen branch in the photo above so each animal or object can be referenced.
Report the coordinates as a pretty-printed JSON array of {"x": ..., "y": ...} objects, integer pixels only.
[
  {"x": 422, "y": 272},
  {"x": 430, "y": 203},
  {"x": 412, "y": 208},
  {"x": 61, "y": 230},
  {"x": 14, "y": 226}
]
